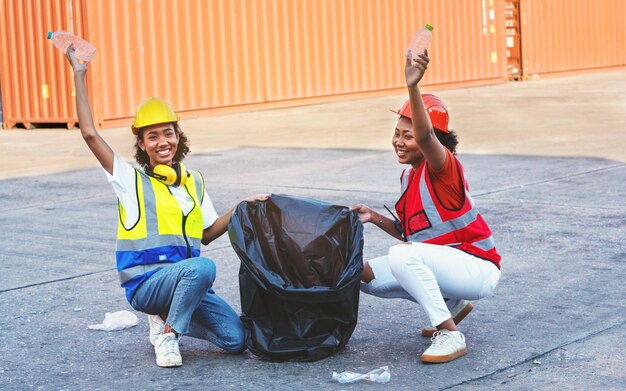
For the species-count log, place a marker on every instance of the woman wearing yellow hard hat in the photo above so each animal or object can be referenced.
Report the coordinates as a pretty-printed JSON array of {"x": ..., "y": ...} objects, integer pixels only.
[
  {"x": 449, "y": 256},
  {"x": 165, "y": 214}
]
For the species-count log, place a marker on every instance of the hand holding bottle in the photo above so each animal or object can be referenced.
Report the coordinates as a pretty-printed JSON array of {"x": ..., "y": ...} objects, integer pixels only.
[
  {"x": 62, "y": 40},
  {"x": 415, "y": 68},
  {"x": 420, "y": 42},
  {"x": 77, "y": 66}
]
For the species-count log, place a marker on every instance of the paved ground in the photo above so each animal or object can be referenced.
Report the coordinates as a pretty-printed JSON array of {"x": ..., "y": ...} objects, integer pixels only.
[{"x": 546, "y": 165}]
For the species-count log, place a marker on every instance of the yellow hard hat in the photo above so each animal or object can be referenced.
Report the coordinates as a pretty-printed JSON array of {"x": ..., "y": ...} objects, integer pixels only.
[{"x": 153, "y": 111}]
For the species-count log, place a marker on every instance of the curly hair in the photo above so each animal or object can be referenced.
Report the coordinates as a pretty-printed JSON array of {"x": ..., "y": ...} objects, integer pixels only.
[
  {"x": 183, "y": 147},
  {"x": 448, "y": 139}
]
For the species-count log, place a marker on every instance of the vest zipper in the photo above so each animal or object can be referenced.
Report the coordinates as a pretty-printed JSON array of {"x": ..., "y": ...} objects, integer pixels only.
[
  {"x": 185, "y": 220},
  {"x": 185, "y": 236},
  {"x": 405, "y": 228}
]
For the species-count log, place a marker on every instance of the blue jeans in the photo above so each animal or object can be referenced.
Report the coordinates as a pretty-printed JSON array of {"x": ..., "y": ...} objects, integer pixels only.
[{"x": 183, "y": 290}]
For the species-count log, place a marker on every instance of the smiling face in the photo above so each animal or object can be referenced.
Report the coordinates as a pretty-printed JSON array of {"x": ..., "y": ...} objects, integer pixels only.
[
  {"x": 160, "y": 142},
  {"x": 405, "y": 145}
]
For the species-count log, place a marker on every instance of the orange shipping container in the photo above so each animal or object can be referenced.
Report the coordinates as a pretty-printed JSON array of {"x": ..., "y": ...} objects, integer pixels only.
[
  {"x": 225, "y": 54},
  {"x": 208, "y": 56},
  {"x": 572, "y": 35},
  {"x": 35, "y": 85}
]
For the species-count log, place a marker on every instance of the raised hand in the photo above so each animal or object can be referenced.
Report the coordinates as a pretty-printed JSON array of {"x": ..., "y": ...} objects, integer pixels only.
[
  {"x": 415, "y": 68},
  {"x": 77, "y": 66}
]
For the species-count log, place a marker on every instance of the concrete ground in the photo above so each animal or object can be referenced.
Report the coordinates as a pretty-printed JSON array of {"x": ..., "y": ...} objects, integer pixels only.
[{"x": 546, "y": 165}]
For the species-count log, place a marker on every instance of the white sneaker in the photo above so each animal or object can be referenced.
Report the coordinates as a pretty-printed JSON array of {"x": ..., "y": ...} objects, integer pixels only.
[
  {"x": 446, "y": 346},
  {"x": 156, "y": 327},
  {"x": 458, "y": 312},
  {"x": 167, "y": 352}
]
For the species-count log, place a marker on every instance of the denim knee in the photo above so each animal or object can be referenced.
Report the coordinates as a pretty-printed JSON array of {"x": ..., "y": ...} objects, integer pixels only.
[
  {"x": 236, "y": 343},
  {"x": 201, "y": 268}
]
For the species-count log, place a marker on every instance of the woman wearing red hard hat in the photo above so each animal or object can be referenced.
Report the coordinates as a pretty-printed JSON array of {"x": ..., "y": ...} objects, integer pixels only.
[
  {"x": 448, "y": 256},
  {"x": 165, "y": 214}
]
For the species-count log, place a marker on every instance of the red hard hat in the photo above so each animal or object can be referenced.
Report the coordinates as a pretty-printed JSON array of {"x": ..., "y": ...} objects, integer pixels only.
[{"x": 436, "y": 109}]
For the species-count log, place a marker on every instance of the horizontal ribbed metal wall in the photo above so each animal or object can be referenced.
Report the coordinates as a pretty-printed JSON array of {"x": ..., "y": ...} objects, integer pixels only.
[{"x": 569, "y": 35}]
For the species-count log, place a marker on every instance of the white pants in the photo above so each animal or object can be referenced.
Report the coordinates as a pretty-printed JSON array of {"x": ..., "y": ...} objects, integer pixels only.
[{"x": 428, "y": 273}]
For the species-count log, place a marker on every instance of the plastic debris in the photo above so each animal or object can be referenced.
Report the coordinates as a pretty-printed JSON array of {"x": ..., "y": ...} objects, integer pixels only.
[
  {"x": 378, "y": 375},
  {"x": 116, "y": 321}
]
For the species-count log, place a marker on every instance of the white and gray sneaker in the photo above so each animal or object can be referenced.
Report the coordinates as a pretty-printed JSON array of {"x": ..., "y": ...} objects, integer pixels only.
[
  {"x": 156, "y": 327},
  {"x": 446, "y": 346},
  {"x": 167, "y": 352},
  {"x": 458, "y": 312}
]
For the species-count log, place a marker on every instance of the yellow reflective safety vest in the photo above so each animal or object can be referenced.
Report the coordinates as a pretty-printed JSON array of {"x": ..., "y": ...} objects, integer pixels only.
[{"x": 162, "y": 234}]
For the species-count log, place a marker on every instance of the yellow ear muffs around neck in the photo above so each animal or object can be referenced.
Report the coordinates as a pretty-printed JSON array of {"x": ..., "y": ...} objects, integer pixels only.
[{"x": 171, "y": 176}]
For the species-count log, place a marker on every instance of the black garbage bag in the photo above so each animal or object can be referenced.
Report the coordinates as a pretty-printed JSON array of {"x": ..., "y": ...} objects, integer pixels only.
[{"x": 301, "y": 260}]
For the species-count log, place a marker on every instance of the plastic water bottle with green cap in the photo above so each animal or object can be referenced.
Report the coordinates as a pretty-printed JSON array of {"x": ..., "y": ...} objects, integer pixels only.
[
  {"x": 420, "y": 42},
  {"x": 62, "y": 39}
]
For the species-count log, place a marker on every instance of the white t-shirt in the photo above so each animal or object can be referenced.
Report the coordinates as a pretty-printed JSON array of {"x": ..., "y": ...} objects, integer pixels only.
[{"x": 124, "y": 185}]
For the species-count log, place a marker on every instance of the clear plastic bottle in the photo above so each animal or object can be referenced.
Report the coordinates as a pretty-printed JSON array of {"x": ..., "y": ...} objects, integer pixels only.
[
  {"x": 62, "y": 40},
  {"x": 378, "y": 375},
  {"x": 420, "y": 42}
]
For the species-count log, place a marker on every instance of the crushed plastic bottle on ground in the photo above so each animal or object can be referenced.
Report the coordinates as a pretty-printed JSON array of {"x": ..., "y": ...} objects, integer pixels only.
[
  {"x": 116, "y": 321},
  {"x": 378, "y": 375}
]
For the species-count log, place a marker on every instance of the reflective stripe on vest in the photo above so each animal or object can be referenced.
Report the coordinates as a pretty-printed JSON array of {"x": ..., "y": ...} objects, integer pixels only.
[
  {"x": 439, "y": 227},
  {"x": 485, "y": 244},
  {"x": 160, "y": 236},
  {"x": 127, "y": 274}
]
